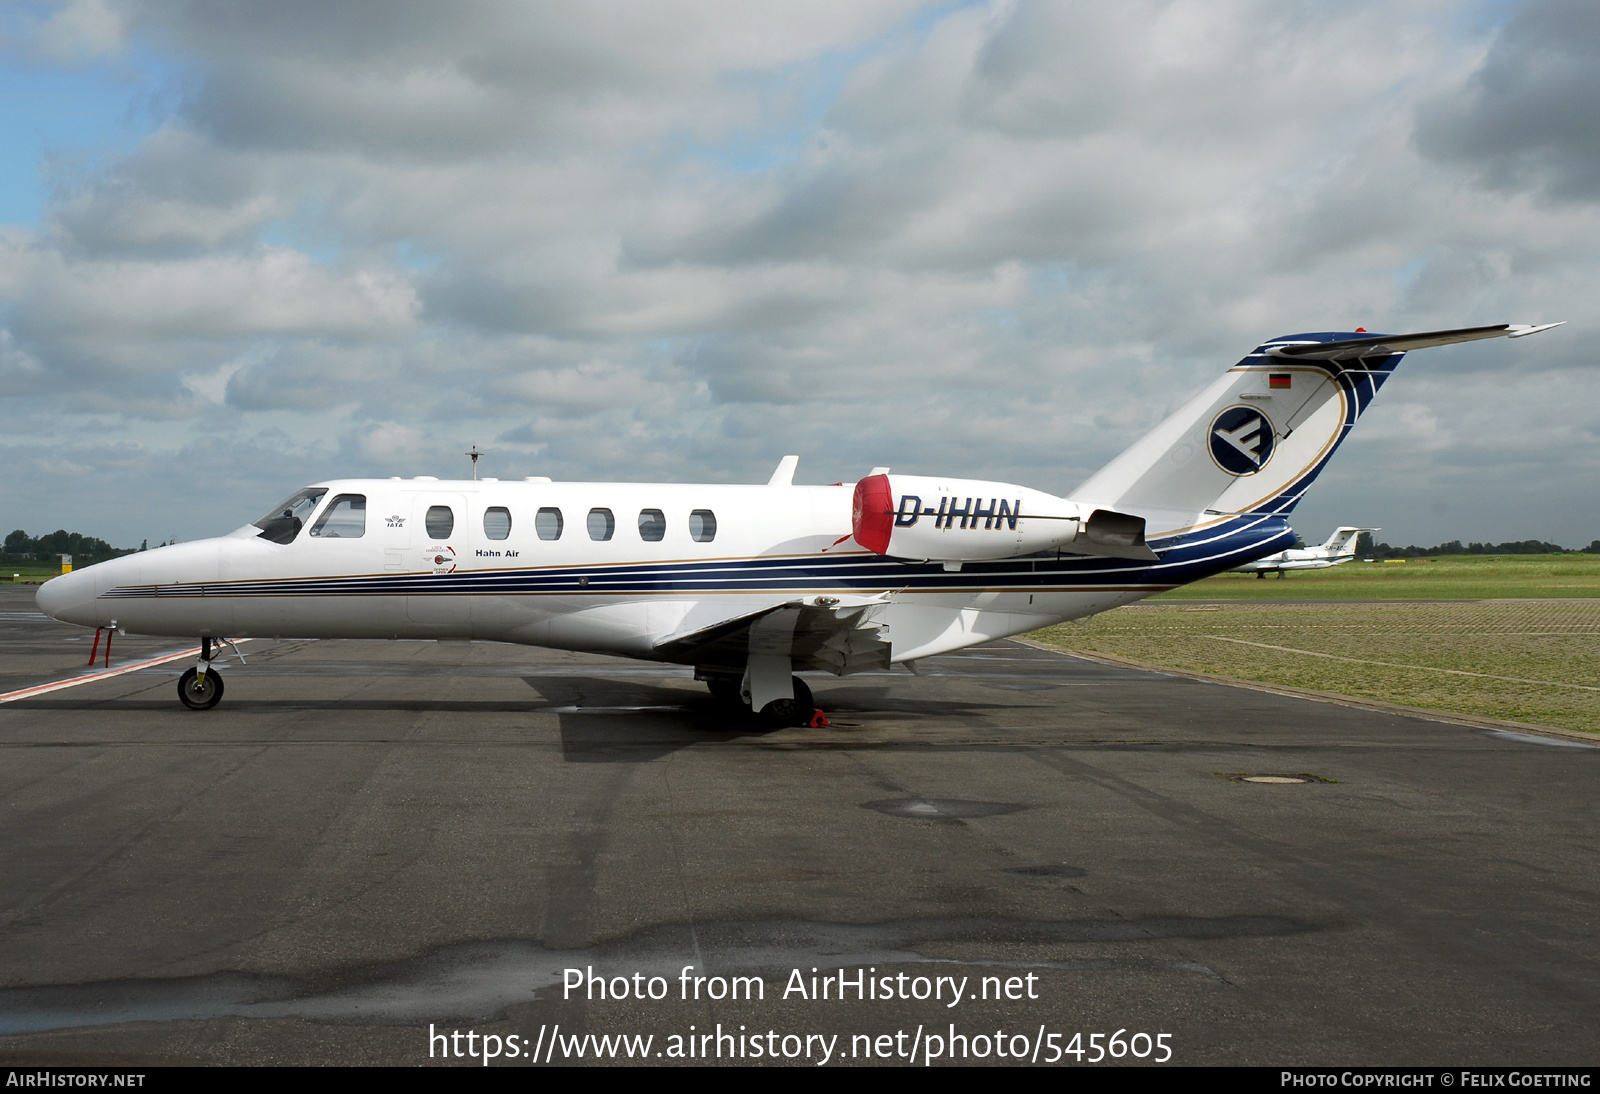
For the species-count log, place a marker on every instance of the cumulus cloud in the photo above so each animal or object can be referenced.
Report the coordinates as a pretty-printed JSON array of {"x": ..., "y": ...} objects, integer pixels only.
[
  {"x": 79, "y": 29},
  {"x": 419, "y": 81},
  {"x": 275, "y": 291},
  {"x": 155, "y": 203},
  {"x": 997, "y": 239},
  {"x": 1530, "y": 115}
]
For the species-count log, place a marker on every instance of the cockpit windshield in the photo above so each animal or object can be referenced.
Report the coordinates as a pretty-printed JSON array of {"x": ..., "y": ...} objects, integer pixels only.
[{"x": 284, "y": 520}]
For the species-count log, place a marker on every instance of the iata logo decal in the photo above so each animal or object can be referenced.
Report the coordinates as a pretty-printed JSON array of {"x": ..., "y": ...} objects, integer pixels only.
[
  {"x": 396, "y": 521},
  {"x": 1241, "y": 440},
  {"x": 443, "y": 559}
]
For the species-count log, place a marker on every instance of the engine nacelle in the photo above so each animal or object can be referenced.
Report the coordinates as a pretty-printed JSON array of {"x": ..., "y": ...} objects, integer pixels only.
[
  {"x": 958, "y": 520},
  {"x": 969, "y": 520}
]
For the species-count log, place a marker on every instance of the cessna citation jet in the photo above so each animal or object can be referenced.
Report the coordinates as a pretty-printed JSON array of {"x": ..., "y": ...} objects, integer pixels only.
[
  {"x": 1340, "y": 547},
  {"x": 750, "y": 584}
]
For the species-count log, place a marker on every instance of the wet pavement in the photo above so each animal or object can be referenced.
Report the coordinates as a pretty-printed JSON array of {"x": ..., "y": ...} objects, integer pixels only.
[{"x": 366, "y": 838}]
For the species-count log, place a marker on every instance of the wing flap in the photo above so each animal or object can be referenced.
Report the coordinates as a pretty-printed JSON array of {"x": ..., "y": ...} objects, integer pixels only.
[{"x": 829, "y": 634}]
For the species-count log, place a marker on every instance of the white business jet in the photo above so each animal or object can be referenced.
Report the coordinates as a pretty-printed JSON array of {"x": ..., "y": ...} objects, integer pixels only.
[
  {"x": 1339, "y": 547},
  {"x": 751, "y": 584}
]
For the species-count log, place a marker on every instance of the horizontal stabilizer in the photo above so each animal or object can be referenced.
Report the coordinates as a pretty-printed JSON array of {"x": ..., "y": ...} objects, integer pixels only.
[{"x": 1352, "y": 348}]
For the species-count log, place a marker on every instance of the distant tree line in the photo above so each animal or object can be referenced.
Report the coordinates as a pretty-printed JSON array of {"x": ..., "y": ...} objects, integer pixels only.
[
  {"x": 47, "y": 548},
  {"x": 1365, "y": 548}
]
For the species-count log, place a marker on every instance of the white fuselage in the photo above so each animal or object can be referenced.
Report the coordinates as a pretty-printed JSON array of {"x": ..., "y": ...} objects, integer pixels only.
[
  {"x": 1339, "y": 547},
  {"x": 624, "y": 594},
  {"x": 1305, "y": 558},
  {"x": 761, "y": 579}
]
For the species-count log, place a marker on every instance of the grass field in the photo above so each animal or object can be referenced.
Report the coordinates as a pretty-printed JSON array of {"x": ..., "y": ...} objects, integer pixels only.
[
  {"x": 1532, "y": 661},
  {"x": 30, "y": 572},
  {"x": 1449, "y": 577}
]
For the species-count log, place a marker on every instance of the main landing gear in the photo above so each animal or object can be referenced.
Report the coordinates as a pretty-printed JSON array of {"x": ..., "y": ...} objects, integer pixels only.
[
  {"x": 728, "y": 688},
  {"x": 200, "y": 688},
  {"x": 791, "y": 712}
]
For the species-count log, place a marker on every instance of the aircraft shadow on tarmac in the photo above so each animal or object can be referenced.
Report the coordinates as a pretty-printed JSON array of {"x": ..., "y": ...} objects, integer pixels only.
[
  {"x": 605, "y": 720},
  {"x": 602, "y": 719}
]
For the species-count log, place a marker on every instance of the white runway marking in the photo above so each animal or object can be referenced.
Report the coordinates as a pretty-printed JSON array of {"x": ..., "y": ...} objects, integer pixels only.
[
  {"x": 1397, "y": 665},
  {"x": 1528, "y": 738},
  {"x": 103, "y": 674}
]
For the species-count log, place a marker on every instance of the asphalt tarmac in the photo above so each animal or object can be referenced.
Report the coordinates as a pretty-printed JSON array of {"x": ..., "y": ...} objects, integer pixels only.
[{"x": 369, "y": 839}]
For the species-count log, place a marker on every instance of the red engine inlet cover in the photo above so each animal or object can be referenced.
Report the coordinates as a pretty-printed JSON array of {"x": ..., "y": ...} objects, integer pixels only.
[{"x": 872, "y": 513}]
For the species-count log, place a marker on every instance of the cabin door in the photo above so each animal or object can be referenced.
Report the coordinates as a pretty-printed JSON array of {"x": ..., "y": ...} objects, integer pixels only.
[{"x": 438, "y": 533}]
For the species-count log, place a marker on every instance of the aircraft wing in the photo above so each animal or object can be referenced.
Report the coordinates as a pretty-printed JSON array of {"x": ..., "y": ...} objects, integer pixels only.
[{"x": 839, "y": 635}]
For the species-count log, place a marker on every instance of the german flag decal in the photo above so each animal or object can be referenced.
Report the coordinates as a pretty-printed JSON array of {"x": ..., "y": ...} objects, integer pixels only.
[{"x": 1277, "y": 379}]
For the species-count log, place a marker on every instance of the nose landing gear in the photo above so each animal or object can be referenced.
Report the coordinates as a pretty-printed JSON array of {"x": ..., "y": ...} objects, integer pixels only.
[
  {"x": 200, "y": 692},
  {"x": 200, "y": 688}
]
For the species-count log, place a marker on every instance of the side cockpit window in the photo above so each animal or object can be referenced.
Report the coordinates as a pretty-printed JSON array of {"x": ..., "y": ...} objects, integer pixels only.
[
  {"x": 284, "y": 520},
  {"x": 344, "y": 518}
]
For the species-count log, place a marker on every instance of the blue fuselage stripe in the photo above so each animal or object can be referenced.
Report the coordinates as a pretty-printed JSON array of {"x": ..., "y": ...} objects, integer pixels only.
[{"x": 1184, "y": 558}]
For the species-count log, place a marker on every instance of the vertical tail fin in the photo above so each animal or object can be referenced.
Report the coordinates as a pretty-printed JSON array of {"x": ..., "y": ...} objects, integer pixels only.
[
  {"x": 1343, "y": 541},
  {"x": 1255, "y": 440}
]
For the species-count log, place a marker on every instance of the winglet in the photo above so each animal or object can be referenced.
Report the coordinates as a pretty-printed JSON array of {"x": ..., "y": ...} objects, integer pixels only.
[{"x": 784, "y": 475}]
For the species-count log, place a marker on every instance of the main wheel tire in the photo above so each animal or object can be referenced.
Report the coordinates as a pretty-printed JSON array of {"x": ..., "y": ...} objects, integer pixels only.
[
  {"x": 790, "y": 712},
  {"x": 802, "y": 698},
  {"x": 197, "y": 695}
]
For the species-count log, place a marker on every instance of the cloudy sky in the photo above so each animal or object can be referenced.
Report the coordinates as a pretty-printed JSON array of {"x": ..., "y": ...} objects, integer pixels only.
[{"x": 248, "y": 245}]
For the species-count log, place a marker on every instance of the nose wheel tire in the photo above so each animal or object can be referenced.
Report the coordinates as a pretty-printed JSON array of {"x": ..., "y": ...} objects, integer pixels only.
[{"x": 198, "y": 695}]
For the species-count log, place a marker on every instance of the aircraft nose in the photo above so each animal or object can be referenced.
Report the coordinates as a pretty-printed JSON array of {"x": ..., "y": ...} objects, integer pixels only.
[{"x": 69, "y": 598}]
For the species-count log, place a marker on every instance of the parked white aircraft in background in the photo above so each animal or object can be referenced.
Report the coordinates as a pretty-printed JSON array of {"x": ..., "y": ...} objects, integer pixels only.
[
  {"x": 1340, "y": 547},
  {"x": 750, "y": 584}
]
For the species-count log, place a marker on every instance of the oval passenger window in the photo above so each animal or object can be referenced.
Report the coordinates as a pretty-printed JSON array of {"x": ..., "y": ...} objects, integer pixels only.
[
  {"x": 440, "y": 522},
  {"x": 547, "y": 522},
  {"x": 602, "y": 525},
  {"x": 497, "y": 522},
  {"x": 702, "y": 526},
  {"x": 652, "y": 525}
]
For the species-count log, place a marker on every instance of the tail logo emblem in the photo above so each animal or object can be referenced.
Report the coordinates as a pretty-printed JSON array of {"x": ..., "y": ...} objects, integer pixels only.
[{"x": 1241, "y": 440}]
